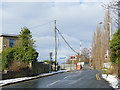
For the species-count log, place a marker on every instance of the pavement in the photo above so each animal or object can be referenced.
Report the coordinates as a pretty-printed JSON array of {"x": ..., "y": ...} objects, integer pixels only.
[{"x": 74, "y": 79}]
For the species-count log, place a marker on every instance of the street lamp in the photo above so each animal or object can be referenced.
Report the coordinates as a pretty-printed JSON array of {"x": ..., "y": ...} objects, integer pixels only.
[{"x": 100, "y": 22}]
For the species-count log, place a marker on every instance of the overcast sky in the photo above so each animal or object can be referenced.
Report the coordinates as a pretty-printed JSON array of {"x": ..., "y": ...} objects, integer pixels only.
[{"x": 76, "y": 21}]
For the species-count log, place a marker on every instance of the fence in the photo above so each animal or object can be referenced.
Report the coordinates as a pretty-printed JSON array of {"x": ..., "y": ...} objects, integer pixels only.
[{"x": 68, "y": 66}]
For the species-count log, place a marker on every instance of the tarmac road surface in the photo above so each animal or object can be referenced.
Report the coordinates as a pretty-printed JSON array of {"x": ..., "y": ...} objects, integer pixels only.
[{"x": 75, "y": 79}]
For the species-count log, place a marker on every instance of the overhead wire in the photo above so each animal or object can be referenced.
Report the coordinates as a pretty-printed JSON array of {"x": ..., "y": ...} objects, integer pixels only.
[
  {"x": 41, "y": 24},
  {"x": 57, "y": 35},
  {"x": 66, "y": 41}
]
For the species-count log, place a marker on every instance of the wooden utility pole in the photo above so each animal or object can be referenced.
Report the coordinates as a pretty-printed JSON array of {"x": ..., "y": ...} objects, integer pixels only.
[{"x": 55, "y": 49}]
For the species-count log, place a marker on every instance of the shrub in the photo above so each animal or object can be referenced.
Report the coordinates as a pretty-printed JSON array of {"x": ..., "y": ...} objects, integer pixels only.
[
  {"x": 113, "y": 69},
  {"x": 104, "y": 72},
  {"x": 16, "y": 66},
  {"x": 7, "y": 57}
]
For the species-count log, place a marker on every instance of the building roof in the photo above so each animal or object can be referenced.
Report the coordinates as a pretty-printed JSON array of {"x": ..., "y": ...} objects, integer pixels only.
[{"x": 8, "y": 35}]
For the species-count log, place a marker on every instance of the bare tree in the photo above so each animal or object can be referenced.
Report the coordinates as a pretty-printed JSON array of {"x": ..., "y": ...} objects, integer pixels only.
[
  {"x": 114, "y": 6},
  {"x": 100, "y": 43},
  {"x": 93, "y": 49},
  {"x": 85, "y": 55}
]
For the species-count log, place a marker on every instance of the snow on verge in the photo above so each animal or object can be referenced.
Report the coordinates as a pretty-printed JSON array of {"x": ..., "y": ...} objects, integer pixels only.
[{"x": 112, "y": 79}]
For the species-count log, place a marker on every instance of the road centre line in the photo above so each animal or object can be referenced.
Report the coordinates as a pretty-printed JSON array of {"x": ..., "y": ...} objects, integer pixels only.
[
  {"x": 97, "y": 76},
  {"x": 52, "y": 83}
]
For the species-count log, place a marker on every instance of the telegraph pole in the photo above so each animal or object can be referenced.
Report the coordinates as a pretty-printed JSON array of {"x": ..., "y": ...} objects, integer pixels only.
[{"x": 55, "y": 49}]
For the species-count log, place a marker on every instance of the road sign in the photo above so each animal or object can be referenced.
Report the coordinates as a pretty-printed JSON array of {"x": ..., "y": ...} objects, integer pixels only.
[
  {"x": 62, "y": 57},
  {"x": 50, "y": 54},
  {"x": 73, "y": 57}
]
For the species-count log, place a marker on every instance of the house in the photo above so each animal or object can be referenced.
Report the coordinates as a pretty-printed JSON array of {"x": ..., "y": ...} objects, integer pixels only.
[{"x": 7, "y": 41}]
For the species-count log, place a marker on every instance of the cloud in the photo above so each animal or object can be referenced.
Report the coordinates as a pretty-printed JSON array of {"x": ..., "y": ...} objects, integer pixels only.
[
  {"x": 45, "y": 45},
  {"x": 53, "y": 0},
  {"x": 75, "y": 21},
  {"x": 44, "y": 42}
]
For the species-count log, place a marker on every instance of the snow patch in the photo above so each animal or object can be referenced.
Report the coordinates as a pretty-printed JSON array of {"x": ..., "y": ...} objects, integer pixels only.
[{"x": 112, "y": 79}]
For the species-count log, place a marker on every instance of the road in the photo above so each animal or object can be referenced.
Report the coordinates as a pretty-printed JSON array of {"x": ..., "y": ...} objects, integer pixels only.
[{"x": 75, "y": 79}]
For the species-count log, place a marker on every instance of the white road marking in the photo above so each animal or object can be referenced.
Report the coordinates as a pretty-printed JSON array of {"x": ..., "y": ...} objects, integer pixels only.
[
  {"x": 52, "y": 83},
  {"x": 66, "y": 77}
]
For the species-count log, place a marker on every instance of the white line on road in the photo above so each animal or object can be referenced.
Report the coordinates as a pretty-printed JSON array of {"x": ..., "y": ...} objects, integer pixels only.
[
  {"x": 52, "y": 83},
  {"x": 66, "y": 77}
]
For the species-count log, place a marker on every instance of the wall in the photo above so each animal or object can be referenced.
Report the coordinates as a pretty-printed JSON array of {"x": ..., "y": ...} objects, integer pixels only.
[
  {"x": 38, "y": 68},
  {"x": 68, "y": 66},
  {"x": 4, "y": 42},
  {"x": 35, "y": 69}
]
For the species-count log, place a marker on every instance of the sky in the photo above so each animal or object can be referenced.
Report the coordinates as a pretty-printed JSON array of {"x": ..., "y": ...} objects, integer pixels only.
[{"x": 75, "y": 20}]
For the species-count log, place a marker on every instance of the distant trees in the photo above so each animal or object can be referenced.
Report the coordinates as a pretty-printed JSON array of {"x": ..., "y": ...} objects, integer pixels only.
[
  {"x": 24, "y": 50},
  {"x": 83, "y": 58},
  {"x": 85, "y": 55},
  {"x": 48, "y": 62}
]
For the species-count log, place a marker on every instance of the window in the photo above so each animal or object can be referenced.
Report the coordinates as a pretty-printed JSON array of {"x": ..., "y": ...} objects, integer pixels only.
[{"x": 12, "y": 42}]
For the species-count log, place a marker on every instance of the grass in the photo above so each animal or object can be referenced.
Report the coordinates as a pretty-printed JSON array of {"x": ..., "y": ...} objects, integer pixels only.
[
  {"x": 104, "y": 72},
  {"x": 113, "y": 70}
]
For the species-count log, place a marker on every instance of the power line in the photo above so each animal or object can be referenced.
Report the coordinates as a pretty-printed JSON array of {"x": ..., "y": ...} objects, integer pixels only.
[
  {"x": 66, "y": 41},
  {"x": 58, "y": 37},
  {"x": 41, "y": 25}
]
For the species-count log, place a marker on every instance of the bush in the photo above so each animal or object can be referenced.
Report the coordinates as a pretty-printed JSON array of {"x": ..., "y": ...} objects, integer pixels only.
[
  {"x": 7, "y": 57},
  {"x": 104, "y": 72},
  {"x": 113, "y": 70},
  {"x": 17, "y": 66}
]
